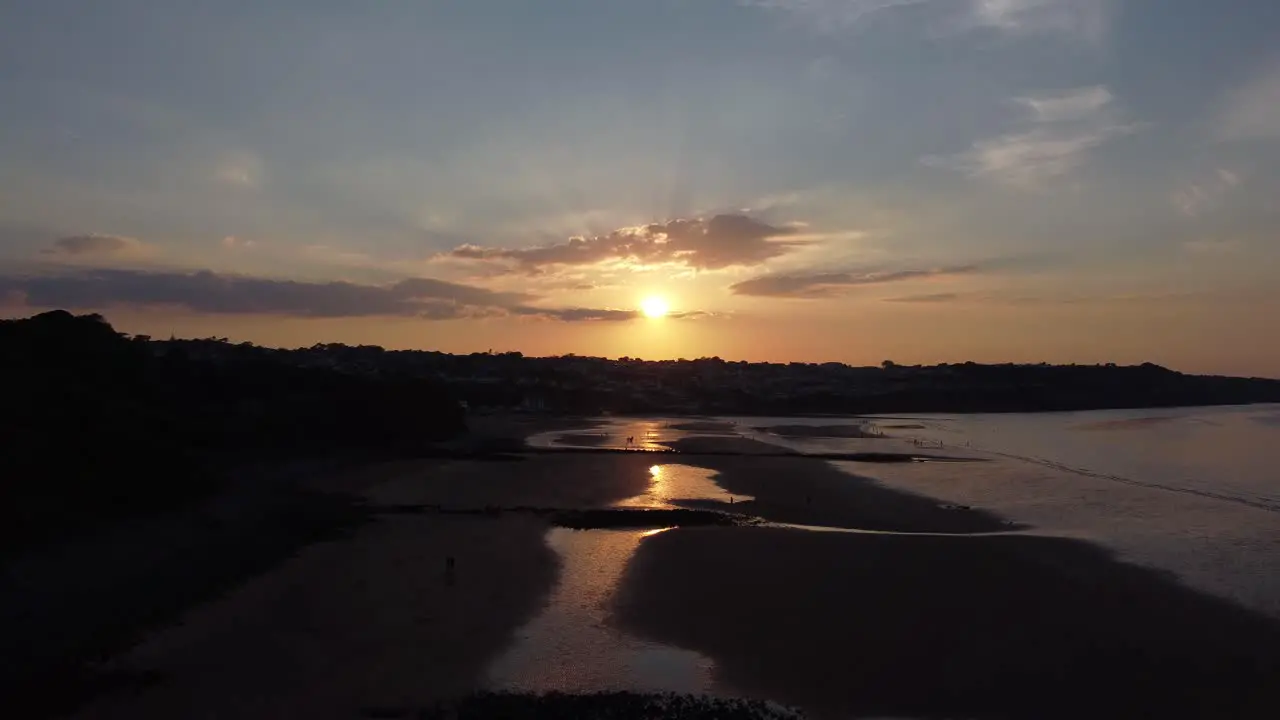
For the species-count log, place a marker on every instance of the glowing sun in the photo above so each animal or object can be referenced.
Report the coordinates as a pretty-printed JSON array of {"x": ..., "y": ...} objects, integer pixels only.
[{"x": 654, "y": 307}]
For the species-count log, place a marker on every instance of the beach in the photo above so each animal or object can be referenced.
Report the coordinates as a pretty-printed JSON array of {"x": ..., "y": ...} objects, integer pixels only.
[
  {"x": 908, "y": 626},
  {"x": 838, "y": 595}
]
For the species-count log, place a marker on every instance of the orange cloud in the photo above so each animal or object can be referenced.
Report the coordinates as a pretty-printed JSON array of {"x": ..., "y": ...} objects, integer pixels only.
[
  {"x": 208, "y": 292},
  {"x": 712, "y": 244},
  {"x": 99, "y": 246}
]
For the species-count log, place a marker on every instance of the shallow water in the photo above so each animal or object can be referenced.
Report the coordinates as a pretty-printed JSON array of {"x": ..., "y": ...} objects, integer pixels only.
[
  {"x": 672, "y": 484},
  {"x": 1230, "y": 453},
  {"x": 570, "y": 646},
  {"x": 1194, "y": 491},
  {"x": 620, "y": 434}
]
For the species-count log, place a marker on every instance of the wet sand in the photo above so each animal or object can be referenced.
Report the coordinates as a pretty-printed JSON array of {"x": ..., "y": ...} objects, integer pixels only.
[
  {"x": 820, "y": 431},
  {"x": 74, "y": 602},
  {"x": 1004, "y": 626},
  {"x": 561, "y": 480},
  {"x": 376, "y": 620},
  {"x": 707, "y": 426},
  {"x": 1128, "y": 424},
  {"x": 724, "y": 445},
  {"x": 584, "y": 439},
  {"x": 888, "y": 625},
  {"x": 804, "y": 491}
]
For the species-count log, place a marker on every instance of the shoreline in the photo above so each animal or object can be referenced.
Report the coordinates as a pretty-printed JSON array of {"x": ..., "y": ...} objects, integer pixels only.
[
  {"x": 886, "y": 415},
  {"x": 67, "y": 604},
  {"x": 723, "y": 447},
  {"x": 966, "y": 617},
  {"x": 1011, "y": 626}
]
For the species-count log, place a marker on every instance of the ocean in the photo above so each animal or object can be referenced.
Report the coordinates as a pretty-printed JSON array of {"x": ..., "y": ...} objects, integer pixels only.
[{"x": 1191, "y": 491}]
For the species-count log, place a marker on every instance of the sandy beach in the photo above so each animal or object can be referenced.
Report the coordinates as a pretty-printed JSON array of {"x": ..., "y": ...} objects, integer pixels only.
[
  {"x": 811, "y": 492},
  {"x": 942, "y": 611},
  {"x": 820, "y": 431},
  {"x": 885, "y": 625},
  {"x": 374, "y": 618},
  {"x": 348, "y": 626}
]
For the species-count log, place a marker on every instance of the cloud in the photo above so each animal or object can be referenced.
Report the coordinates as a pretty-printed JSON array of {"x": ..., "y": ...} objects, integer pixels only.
[
  {"x": 934, "y": 298},
  {"x": 1252, "y": 111},
  {"x": 833, "y": 13},
  {"x": 1062, "y": 128},
  {"x": 465, "y": 294},
  {"x": 1085, "y": 19},
  {"x": 713, "y": 244},
  {"x": 240, "y": 168},
  {"x": 1207, "y": 193},
  {"x": 1079, "y": 104},
  {"x": 577, "y": 314},
  {"x": 820, "y": 285},
  {"x": 98, "y": 247},
  {"x": 1212, "y": 246},
  {"x": 231, "y": 242},
  {"x": 208, "y": 292}
]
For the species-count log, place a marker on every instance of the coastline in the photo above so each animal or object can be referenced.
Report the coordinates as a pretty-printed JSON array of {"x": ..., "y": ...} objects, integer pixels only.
[
  {"x": 942, "y": 610},
  {"x": 1011, "y": 626},
  {"x": 804, "y": 490},
  {"x": 395, "y": 625}
]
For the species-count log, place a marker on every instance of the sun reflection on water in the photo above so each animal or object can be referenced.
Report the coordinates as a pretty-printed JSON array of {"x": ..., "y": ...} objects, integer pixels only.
[
  {"x": 571, "y": 645},
  {"x": 673, "y": 484}
]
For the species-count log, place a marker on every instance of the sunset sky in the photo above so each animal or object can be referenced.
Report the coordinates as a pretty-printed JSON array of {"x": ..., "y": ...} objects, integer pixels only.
[{"x": 815, "y": 180}]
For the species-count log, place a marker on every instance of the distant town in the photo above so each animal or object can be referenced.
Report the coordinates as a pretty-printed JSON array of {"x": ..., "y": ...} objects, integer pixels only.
[{"x": 710, "y": 385}]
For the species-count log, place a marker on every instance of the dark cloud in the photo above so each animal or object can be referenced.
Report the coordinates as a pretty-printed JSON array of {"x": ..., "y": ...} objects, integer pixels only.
[
  {"x": 934, "y": 298},
  {"x": 207, "y": 292},
  {"x": 465, "y": 294},
  {"x": 577, "y": 314},
  {"x": 817, "y": 285},
  {"x": 720, "y": 242},
  {"x": 691, "y": 315},
  {"x": 95, "y": 245}
]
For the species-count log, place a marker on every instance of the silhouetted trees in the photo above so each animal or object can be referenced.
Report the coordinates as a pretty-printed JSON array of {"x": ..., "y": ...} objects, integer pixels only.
[{"x": 99, "y": 426}]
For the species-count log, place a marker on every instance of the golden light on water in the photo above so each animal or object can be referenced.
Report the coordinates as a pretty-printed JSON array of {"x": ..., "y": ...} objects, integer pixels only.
[{"x": 654, "y": 307}]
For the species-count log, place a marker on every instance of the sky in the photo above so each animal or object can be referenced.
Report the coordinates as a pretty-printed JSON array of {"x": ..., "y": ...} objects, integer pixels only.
[{"x": 797, "y": 180}]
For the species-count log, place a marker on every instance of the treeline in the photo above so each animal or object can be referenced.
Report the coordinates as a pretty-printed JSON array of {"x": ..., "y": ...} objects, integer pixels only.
[{"x": 97, "y": 425}]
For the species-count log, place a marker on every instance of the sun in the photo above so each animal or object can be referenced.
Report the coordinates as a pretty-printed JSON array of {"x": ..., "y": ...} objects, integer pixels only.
[{"x": 654, "y": 307}]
